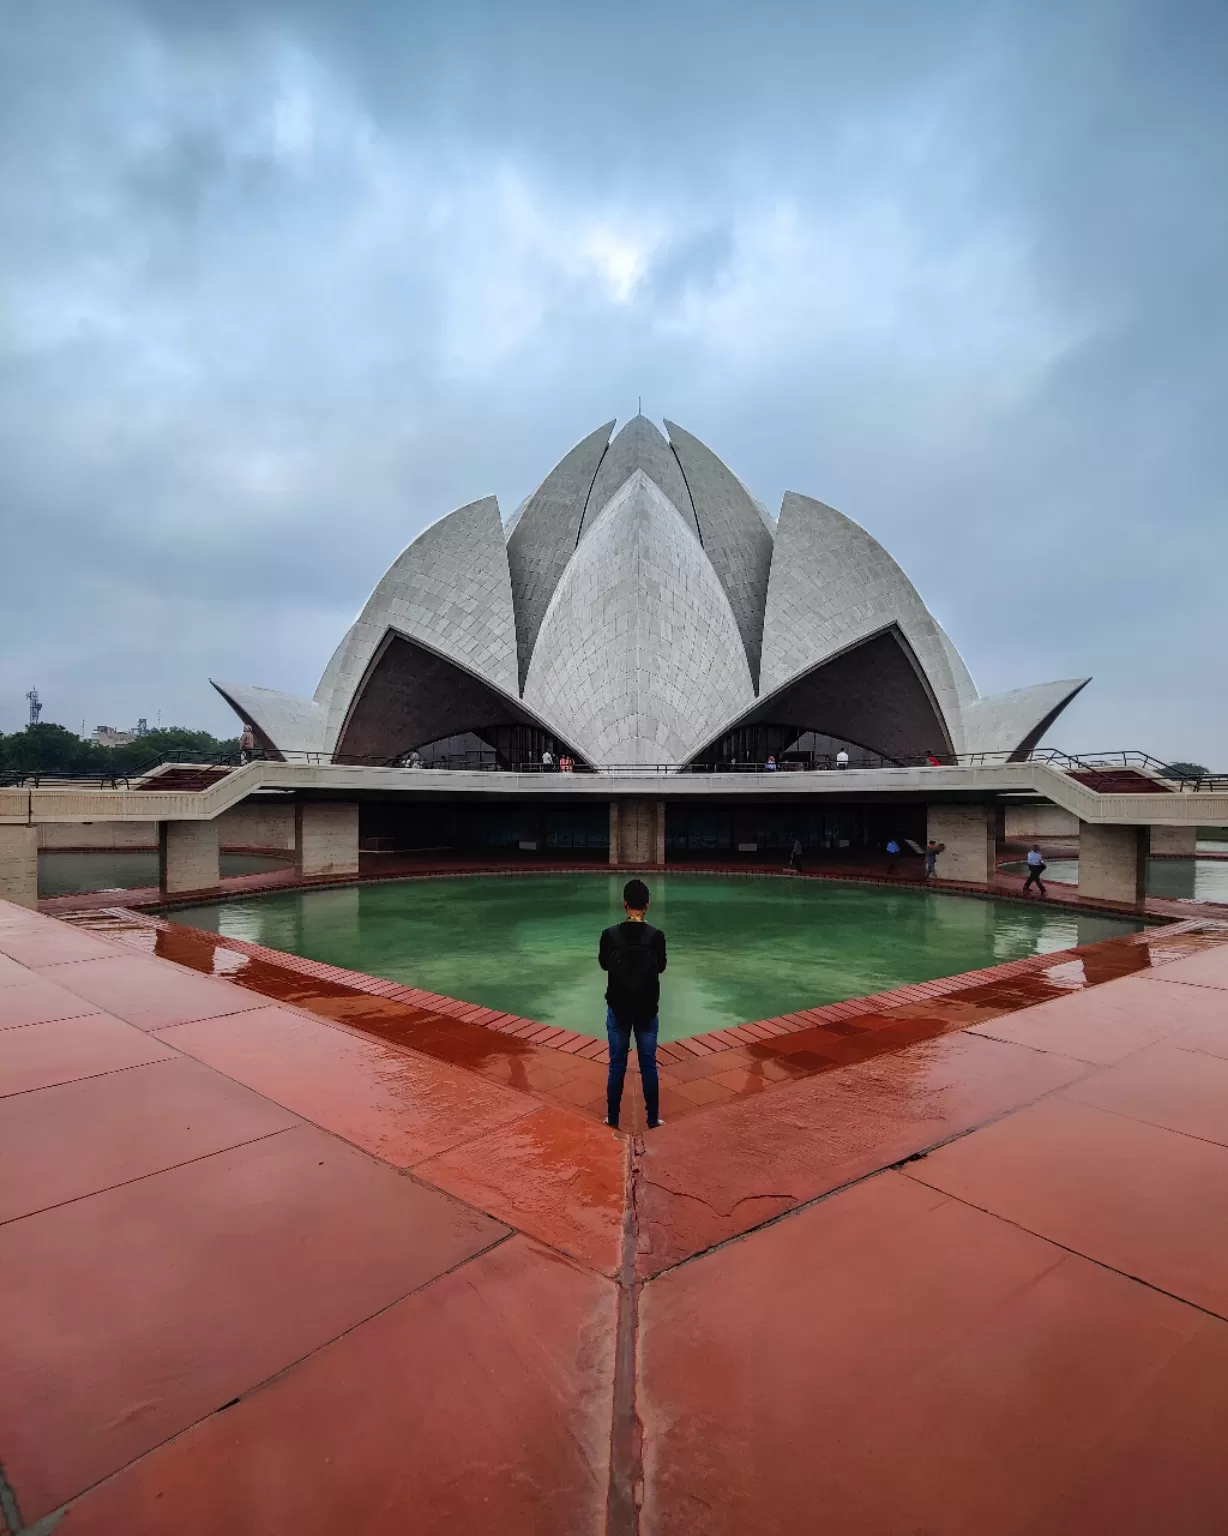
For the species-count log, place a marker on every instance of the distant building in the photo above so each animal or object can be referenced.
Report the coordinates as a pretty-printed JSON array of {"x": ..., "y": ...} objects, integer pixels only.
[{"x": 108, "y": 736}]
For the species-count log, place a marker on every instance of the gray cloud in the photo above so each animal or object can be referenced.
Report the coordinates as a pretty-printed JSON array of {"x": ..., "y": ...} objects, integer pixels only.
[{"x": 280, "y": 283}]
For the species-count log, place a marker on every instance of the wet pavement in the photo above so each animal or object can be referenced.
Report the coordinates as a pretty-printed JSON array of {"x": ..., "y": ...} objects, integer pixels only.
[{"x": 286, "y": 1249}]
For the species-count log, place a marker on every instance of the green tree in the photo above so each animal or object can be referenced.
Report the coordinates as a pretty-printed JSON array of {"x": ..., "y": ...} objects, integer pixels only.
[{"x": 1188, "y": 771}]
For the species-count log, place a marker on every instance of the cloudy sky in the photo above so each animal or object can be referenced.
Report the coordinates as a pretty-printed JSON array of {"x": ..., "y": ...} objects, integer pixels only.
[{"x": 283, "y": 281}]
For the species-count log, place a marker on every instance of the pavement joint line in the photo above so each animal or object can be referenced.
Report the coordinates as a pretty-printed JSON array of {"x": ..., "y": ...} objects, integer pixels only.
[
  {"x": 873, "y": 1173},
  {"x": 9, "y": 1509},
  {"x": 139, "y": 1178},
  {"x": 1197, "y": 1306},
  {"x": 626, "y": 1485},
  {"x": 49, "y": 1521}
]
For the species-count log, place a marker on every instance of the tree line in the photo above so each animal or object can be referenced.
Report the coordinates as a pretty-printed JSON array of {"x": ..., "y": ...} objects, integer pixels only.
[{"x": 48, "y": 748}]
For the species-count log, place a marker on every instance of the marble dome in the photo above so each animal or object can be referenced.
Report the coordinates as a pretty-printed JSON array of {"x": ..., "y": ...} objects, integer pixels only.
[{"x": 641, "y": 607}]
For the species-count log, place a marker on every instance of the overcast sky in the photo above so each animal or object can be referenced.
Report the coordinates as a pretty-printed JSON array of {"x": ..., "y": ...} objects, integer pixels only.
[{"x": 281, "y": 283}]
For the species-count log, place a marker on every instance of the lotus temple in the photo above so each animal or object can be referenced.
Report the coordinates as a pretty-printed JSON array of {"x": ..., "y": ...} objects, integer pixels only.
[
  {"x": 642, "y": 608},
  {"x": 312, "y": 1217}
]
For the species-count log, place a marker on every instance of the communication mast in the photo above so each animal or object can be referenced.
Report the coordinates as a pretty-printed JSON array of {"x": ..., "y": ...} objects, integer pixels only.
[{"x": 36, "y": 705}]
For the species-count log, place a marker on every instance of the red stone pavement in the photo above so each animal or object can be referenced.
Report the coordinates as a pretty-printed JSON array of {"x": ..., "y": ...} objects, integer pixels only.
[{"x": 283, "y": 1252}]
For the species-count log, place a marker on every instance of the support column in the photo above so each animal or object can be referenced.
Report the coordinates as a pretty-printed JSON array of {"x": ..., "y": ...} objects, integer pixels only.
[
  {"x": 1112, "y": 862},
  {"x": 187, "y": 856},
  {"x": 971, "y": 846},
  {"x": 1175, "y": 842},
  {"x": 637, "y": 831},
  {"x": 19, "y": 865},
  {"x": 326, "y": 837}
]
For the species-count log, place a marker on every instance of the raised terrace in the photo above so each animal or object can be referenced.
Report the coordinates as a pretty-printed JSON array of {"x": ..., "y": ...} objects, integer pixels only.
[{"x": 284, "y": 1248}]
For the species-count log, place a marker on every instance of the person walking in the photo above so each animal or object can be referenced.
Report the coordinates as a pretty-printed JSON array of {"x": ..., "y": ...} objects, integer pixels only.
[
  {"x": 893, "y": 853},
  {"x": 932, "y": 850},
  {"x": 1036, "y": 868},
  {"x": 632, "y": 954}
]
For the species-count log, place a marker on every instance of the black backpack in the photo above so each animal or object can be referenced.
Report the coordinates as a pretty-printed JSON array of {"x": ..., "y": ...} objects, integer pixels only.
[{"x": 633, "y": 969}]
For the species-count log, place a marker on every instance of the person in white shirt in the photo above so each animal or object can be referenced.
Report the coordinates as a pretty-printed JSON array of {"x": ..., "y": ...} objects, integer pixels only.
[
  {"x": 1036, "y": 868},
  {"x": 842, "y": 758}
]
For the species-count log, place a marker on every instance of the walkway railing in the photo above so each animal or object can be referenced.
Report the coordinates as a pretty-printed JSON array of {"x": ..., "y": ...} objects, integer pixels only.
[{"x": 1082, "y": 763}]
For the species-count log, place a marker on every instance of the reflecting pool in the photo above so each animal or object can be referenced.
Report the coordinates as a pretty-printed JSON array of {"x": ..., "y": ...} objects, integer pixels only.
[
  {"x": 68, "y": 872},
  {"x": 739, "y": 948}
]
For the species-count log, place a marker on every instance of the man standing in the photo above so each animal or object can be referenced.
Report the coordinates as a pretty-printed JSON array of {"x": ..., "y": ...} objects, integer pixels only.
[
  {"x": 1036, "y": 868},
  {"x": 632, "y": 954}
]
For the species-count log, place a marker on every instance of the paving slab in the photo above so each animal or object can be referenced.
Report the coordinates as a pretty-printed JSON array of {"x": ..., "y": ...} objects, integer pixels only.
[
  {"x": 150, "y": 993},
  {"x": 890, "y": 1361},
  {"x": 133, "y": 1313},
  {"x": 36, "y": 1000},
  {"x": 1164, "y": 1085},
  {"x": 1208, "y": 969},
  {"x": 480, "y": 1404},
  {"x": 1146, "y": 1201},
  {"x": 63, "y": 1050},
  {"x": 1106, "y": 1024},
  {"x": 557, "y": 1176},
  {"x": 400, "y": 1106},
  {"x": 732, "y": 1167},
  {"x": 60, "y": 1143}
]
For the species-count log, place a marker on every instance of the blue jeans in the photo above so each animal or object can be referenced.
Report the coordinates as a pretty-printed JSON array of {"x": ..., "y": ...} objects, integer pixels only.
[{"x": 620, "y": 1048}]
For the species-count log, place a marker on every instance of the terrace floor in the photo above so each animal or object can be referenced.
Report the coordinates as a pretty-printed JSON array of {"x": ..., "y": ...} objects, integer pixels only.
[{"x": 283, "y": 1250}]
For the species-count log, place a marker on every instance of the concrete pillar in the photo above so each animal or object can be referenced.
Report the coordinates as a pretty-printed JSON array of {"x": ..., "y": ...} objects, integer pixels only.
[
  {"x": 968, "y": 832},
  {"x": 637, "y": 831},
  {"x": 1112, "y": 862},
  {"x": 19, "y": 865},
  {"x": 1178, "y": 842},
  {"x": 326, "y": 837},
  {"x": 187, "y": 856}
]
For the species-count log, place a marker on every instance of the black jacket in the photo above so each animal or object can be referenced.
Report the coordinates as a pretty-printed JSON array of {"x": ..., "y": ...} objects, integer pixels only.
[{"x": 642, "y": 1007}]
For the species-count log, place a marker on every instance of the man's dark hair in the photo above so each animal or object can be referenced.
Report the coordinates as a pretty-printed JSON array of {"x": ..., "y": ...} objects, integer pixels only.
[{"x": 635, "y": 895}]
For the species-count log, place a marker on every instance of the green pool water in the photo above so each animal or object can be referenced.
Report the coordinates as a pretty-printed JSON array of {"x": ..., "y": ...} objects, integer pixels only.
[{"x": 739, "y": 949}]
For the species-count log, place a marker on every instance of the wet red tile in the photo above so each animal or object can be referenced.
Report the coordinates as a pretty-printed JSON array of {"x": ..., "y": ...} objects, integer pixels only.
[
  {"x": 1209, "y": 969},
  {"x": 63, "y": 1050},
  {"x": 1142, "y": 1200},
  {"x": 36, "y": 1000},
  {"x": 151, "y": 994},
  {"x": 397, "y": 1105},
  {"x": 64, "y": 1142},
  {"x": 1178, "y": 1089},
  {"x": 736, "y": 1165},
  {"x": 49, "y": 942},
  {"x": 1103, "y": 1025},
  {"x": 884, "y": 1363},
  {"x": 556, "y": 1176},
  {"x": 480, "y": 1404},
  {"x": 132, "y": 1313}
]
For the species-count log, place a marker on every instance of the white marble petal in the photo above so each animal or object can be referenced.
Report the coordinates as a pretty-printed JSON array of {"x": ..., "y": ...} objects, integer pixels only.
[
  {"x": 639, "y": 657},
  {"x": 544, "y": 533},
  {"x": 831, "y": 586},
  {"x": 291, "y": 724},
  {"x": 733, "y": 534},
  {"x": 451, "y": 590},
  {"x": 1005, "y": 722}
]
